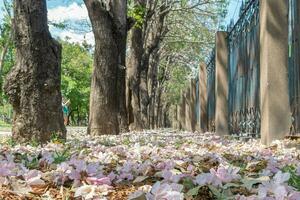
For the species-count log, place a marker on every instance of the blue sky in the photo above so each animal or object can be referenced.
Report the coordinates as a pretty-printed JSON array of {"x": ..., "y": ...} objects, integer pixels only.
[
  {"x": 60, "y": 10},
  {"x": 55, "y": 3},
  {"x": 233, "y": 10}
]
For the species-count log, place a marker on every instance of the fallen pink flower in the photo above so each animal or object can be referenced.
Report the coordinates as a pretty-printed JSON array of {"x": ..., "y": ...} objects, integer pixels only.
[{"x": 99, "y": 181}]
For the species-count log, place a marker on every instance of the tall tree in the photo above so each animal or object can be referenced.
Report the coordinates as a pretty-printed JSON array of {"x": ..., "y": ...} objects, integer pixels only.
[
  {"x": 145, "y": 38},
  {"x": 33, "y": 85},
  {"x": 108, "y": 18},
  {"x": 77, "y": 63},
  {"x": 6, "y": 44},
  {"x": 134, "y": 66},
  {"x": 168, "y": 33}
]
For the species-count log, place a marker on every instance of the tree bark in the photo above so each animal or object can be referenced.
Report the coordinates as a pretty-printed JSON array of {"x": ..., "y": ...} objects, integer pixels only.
[
  {"x": 33, "y": 85},
  {"x": 154, "y": 31},
  {"x": 144, "y": 97},
  {"x": 134, "y": 72},
  {"x": 130, "y": 115},
  {"x": 145, "y": 40},
  {"x": 158, "y": 112},
  {"x": 108, "y": 18},
  {"x": 152, "y": 86},
  {"x": 123, "y": 118}
]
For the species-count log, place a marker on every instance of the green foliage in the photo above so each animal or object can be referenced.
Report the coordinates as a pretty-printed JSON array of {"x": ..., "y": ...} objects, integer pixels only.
[
  {"x": 107, "y": 142},
  {"x": 190, "y": 187},
  {"x": 190, "y": 37},
  {"x": 9, "y": 59},
  {"x": 77, "y": 64},
  {"x": 193, "y": 192},
  {"x": 137, "y": 12},
  {"x": 177, "y": 83},
  {"x": 4, "y": 124},
  {"x": 218, "y": 195},
  {"x": 34, "y": 142},
  {"x": 294, "y": 179},
  {"x": 30, "y": 162},
  {"x": 33, "y": 163},
  {"x": 8, "y": 62},
  {"x": 60, "y": 157},
  {"x": 126, "y": 141},
  {"x": 55, "y": 138},
  {"x": 11, "y": 142},
  {"x": 60, "y": 25}
]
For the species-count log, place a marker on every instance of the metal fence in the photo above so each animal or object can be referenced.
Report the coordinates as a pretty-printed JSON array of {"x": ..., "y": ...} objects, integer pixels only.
[
  {"x": 244, "y": 72},
  {"x": 243, "y": 45},
  {"x": 211, "y": 98},
  {"x": 294, "y": 70}
]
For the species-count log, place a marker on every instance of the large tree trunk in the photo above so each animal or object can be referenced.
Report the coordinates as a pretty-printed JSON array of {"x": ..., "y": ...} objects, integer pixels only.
[
  {"x": 144, "y": 97},
  {"x": 33, "y": 85},
  {"x": 108, "y": 18},
  {"x": 152, "y": 86},
  {"x": 134, "y": 72},
  {"x": 109, "y": 24}
]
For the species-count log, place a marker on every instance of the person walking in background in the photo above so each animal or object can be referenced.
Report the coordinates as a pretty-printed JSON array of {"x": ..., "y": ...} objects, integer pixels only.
[{"x": 65, "y": 109}]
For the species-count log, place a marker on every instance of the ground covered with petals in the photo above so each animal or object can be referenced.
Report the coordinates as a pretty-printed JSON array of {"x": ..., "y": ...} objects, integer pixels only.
[{"x": 152, "y": 165}]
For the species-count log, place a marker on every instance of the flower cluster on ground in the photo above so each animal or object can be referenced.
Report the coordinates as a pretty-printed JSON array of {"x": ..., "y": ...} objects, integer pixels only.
[{"x": 150, "y": 165}]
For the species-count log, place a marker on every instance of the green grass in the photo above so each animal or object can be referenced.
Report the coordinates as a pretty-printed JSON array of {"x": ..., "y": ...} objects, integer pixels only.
[{"x": 4, "y": 126}]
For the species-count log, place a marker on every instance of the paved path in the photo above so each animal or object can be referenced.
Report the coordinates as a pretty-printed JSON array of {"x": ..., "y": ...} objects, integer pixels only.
[
  {"x": 72, "y": 129},
  {"x": 4, "y": 133}
]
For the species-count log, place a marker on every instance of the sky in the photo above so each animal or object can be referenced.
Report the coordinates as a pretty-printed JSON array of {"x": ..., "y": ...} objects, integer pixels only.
[
  {"x": 233, "y": 10},
  {"x": 70, "y": 10}
]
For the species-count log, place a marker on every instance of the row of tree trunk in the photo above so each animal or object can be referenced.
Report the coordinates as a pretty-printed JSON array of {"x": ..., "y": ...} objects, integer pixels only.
[
  {"x": 143, "y": 94},
  {"x": 124, "y": 92}
]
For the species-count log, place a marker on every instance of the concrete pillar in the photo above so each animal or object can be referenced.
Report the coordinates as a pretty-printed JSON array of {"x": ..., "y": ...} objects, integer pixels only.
[
  {"x": 193, "y": 105},
  {"x": 203, "y": 98},
  {"x": 221, "y": 84},
  {"x": 188, "y": 110},
  {"x": 182, "y": 112},
  {"x": 274, "y": 96}
]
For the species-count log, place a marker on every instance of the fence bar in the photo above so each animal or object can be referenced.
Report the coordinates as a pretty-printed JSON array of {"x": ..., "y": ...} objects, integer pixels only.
[
  {"x": 221, "y": 117},
  {"x": 275, "y": 109}
]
